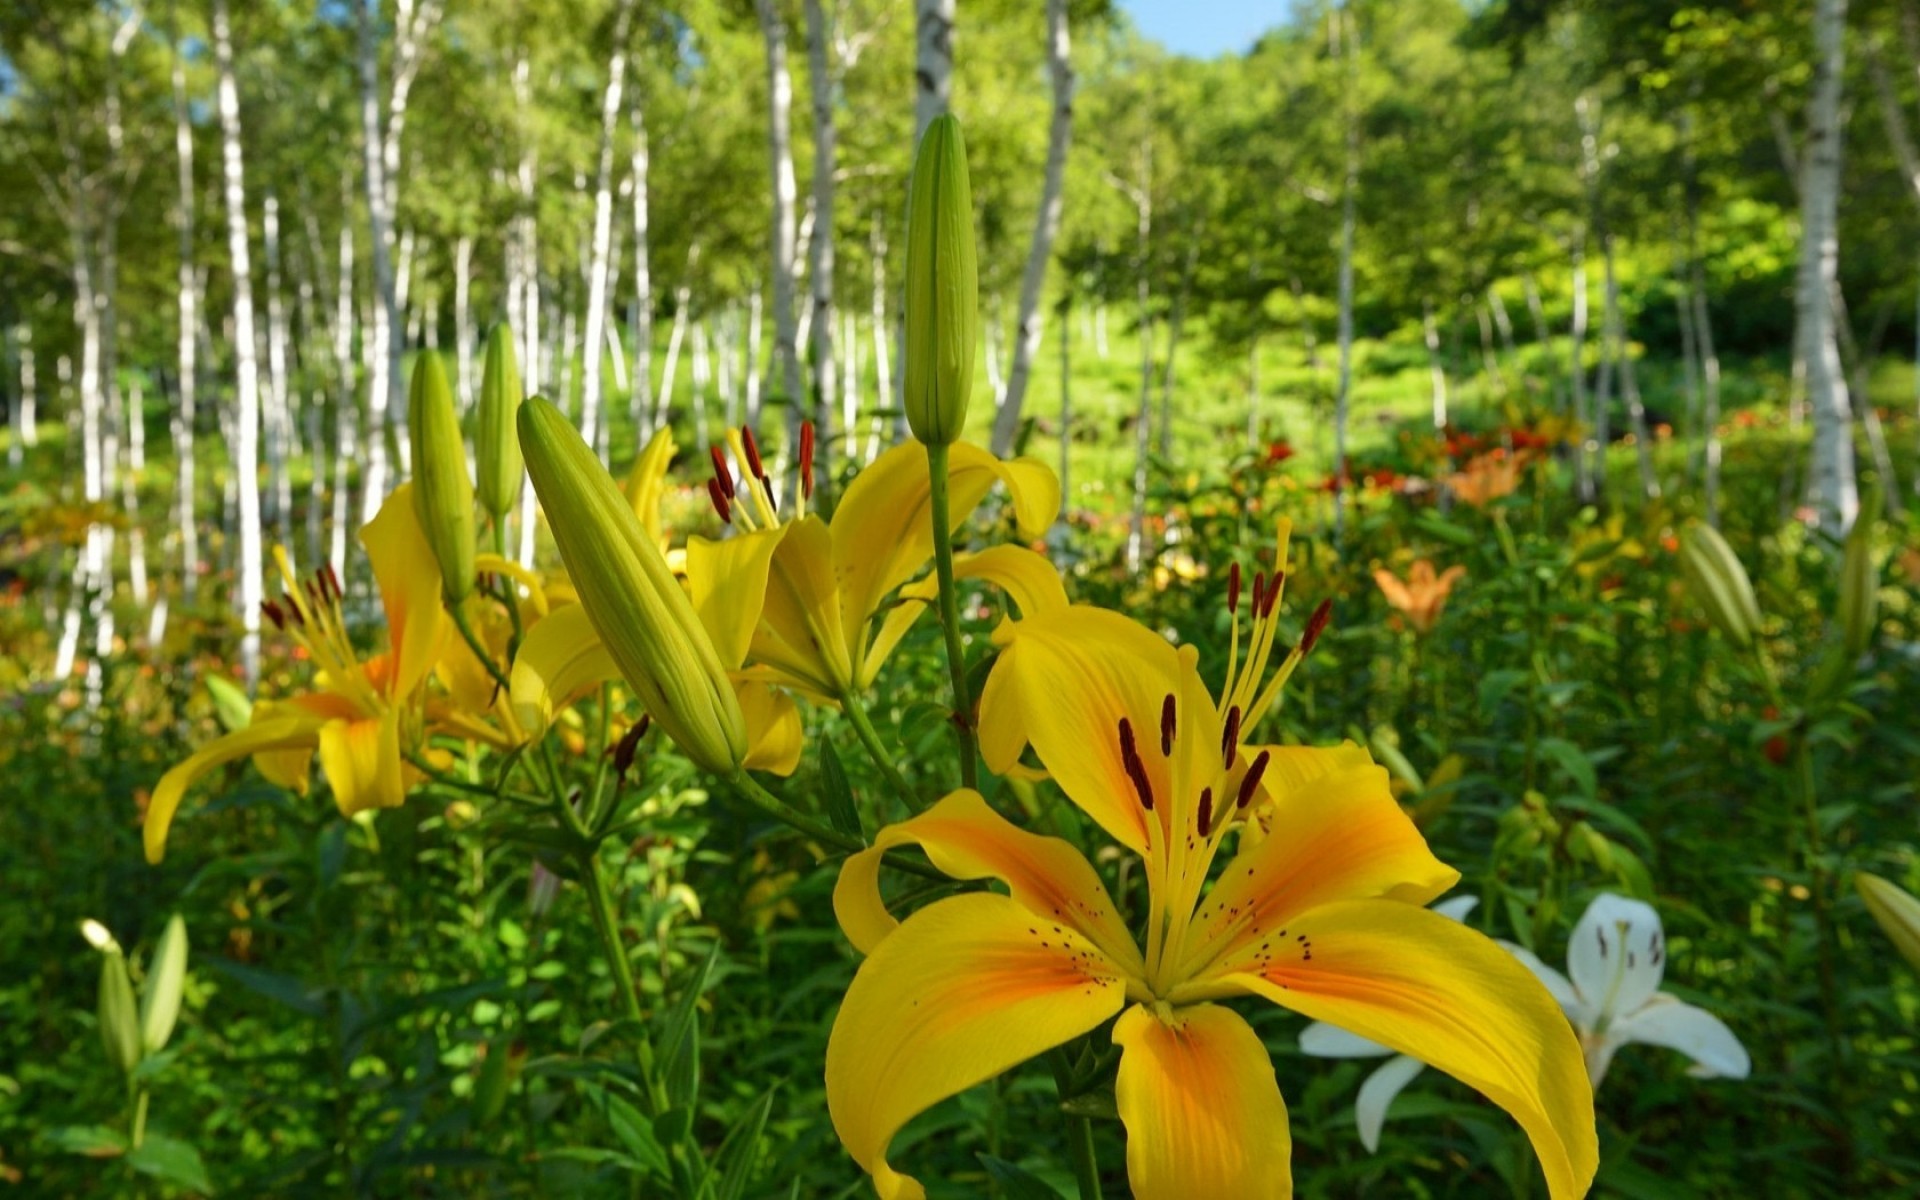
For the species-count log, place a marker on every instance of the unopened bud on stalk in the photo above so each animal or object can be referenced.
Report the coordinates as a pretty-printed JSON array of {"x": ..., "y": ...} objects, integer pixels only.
[
  {"x": 943, "y": 287},
  {"x": 1897, "y": 912},
  {"x": 442, "y": 490},
  {"x": 119, "y": 1019},
  {"x": 1719, "y": 583},
  {"x": 1860, "y": 582},
  {"x": 496, "y": 443},
  {"x": 166, "y": 976},
  {"x": 638, "y": 608}
]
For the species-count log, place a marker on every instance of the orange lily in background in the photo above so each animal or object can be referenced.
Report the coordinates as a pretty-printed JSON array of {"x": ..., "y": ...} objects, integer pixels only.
[
  {"x": 359, "y": 715},
  {"x": 1486, "y": 478},
  {"x": 1422, "y": 595},
  {"x": 1324, "y": 917}
]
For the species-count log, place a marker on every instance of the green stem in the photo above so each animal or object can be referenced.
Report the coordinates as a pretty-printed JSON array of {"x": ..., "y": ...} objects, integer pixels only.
[
  {"x": 950, "y": 613},
  {"x": 876, "y": 750},
  {"x": 745, "y": 787},
  {"x": 459, "y": 614},
  {"x": 601, "y": 900},
  {"x": 602, "y": 759},
  {"x": 1086, "y": 1164},
  {"x": 137, "y": 1124}
]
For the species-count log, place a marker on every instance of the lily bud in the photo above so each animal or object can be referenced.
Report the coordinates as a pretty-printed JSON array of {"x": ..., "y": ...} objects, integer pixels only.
[
  {"x": 1896, "y": 910},
  {"x": 943, "y": 284},
  {"x": 166, "y": 975},
  {"x": 1859, "y": 583},
  {"x": 638, "y": 608},
  {"x": 1719, "y": 583},
  {"x": 496, "y": 443},
  {"x": 119, "y": 1021},
  {"x": 442, "y": 491}
]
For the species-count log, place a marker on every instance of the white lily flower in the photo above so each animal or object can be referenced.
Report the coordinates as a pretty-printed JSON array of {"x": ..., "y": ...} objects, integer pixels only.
[
  {"x": 1617, "y": 958},
  {"x": 1330, "y": 1041}
]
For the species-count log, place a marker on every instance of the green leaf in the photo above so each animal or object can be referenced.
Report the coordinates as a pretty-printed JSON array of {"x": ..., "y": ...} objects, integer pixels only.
[
  {"x": 734, "y": 1161},
  {"x": 636, "y": 1134},
  {"x": 230, "y": 704},
  {"x": 1017, "y": 1183},
  {"x": 680, "y": 1035},
  {"x": 1495, "y": 687},
  {"x": 171, "y": 1161},
  {"x": 273, "y": 985},
  {"x": 94, "y": 1141},
  {"x": 1576, "y": 764},
  {"x": 1436, "y": 526},
  {"x": 836, "y": 793}
]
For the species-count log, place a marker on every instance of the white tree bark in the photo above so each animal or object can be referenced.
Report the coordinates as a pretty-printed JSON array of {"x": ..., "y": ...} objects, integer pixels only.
[
  {"x": 822, "y": 81},
  {"x": 784, "y": 372},
  {"x": 1577, "y": 368},
  {"x": 752, "y": 348},
  {"x": 187, "y": 294},
  {"x": 702, "y": 387},
  {"x": 383, "y": 387},
  {"x": 277, "y": 412},
  {"x": 1832, "y": 491},
  {"x": 641, "y": 398},
  {"x": 882, "y": 363},
  {"x": 246, "y": 443},
  {"x": 1029, "y": 321},
  {"x": 1141, "y": 194},
  {"x": 602, "y": 229},
  {"x": 463, "y": 319},
  {"x": 932, "y": 62}
]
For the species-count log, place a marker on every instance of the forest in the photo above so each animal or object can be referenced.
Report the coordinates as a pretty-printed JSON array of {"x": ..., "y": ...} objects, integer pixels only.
[{"x": 826, "y": 598}]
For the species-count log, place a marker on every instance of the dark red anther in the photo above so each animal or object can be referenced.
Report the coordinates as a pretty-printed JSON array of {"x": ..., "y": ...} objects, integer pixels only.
[
  {"x": 1233, "y": 588},
  {"x": 629, "y": 745},
  {"x": 806, "y": 459},
  {"x": 1166, "y": 726},
  {"x": 1259, "y": 598},
  {"x": 720, "y": 472},
  {"x": 718, "y": 494},
  {"x": 1206, "y": 811},
  {"x": 753, "y": 454},
  {"x": 1316, "y": 625},
  {"x": 291, "y": 609},
  {"x": 1250, "y": 782},
  {"x": 1273, "y": 593},
  {"x": 1230, "y": 736},
  {"x": 1136, "y": 770},
  {"x": 333, "y": 582},
  {"x": 274, "y": 614}
]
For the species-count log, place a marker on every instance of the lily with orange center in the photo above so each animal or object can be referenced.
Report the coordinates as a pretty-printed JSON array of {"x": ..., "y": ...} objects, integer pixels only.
[
  {"x": 1323, "y": 916},
  {"x": 1422, "y": 595},
  {"x": 1486, "y": 478},
  {"x": 361, "y": 715}
]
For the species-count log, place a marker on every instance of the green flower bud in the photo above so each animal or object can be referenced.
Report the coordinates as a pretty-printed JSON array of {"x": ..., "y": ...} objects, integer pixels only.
[
  {"x": 1719, "y": 583},
  {"x": 496, "y": 444},
  {"x": 119, "y": 1020},
  {"x": 1897, "y": 912},
  {"x": 497, "y": 1073},
  {"x": 640, "y": 611},
  {"x": 1860, "y": 583},
  {"x": 166, "y": 975},
  {"x": 943, "y": 285},
  {"x": 442, "y": 490}
]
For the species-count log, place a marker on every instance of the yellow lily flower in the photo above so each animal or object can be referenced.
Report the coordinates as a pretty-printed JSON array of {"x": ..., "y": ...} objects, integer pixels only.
[
  {"x": 794, "y": 596},
  {"x": 360, "y": 714},
  {"x": 1325, "y": 917},
  {"x": 562, "y": 658},
  {"x": 1422, "y": 595}
]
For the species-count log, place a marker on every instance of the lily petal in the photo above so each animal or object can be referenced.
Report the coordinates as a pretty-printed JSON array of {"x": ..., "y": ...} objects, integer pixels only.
[
  {"x": 362, "y": 762},
  {"x": 280, "y": 732},
  {"x": 775, "y": 739},
  {"x": 800, "y": 630},
  {"x": 646, "y": 483},
  {"x": 1030, "y": 580},
  {"x": 1616, "y": 955},
  {"x": 1377, "y": 1094},
  {"x": 409, "y": 580},
  {"x": 1448, "y": 996},
  {"x": 560, "y": 660},
  {"x": 964, "y": 991},
  {"x": 968, "y": 840},
  {"x": 729, "y": 584},
  {"x": 1558, "y": 986},
  {"x": 1694, "y": 1032},
  {"x": 1203, "y": 1112}
]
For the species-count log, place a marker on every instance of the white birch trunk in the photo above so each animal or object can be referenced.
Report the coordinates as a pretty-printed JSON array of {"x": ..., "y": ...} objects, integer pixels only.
[
  {"x": 1029, "y": 321},
  {"x": 641, "y": 399},
  {"x": 882, "y": 362},
  {"x": 277, "y": 415},
  {"x": 702, "y": 385},
  {"x": 785, "y": 370},
  {"x": 187, "y": 296},
  {"x": 932, "y": 62},
  {"x": 1142, "y": 197},
  {"x": 1832, "y": 491},
  {"x": 602, "y": 230},
  {"x": 826, "y": 384},
  {"x": 751, "y": 373},
  {"x": 383, "y": 384},
  {"x": 463, "y": 319}
]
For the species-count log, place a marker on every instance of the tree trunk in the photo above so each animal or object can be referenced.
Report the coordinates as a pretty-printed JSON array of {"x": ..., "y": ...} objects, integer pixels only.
[
  {"x": 702, "y": 385},
  {"x": 602, "y": 230},
  {"x": 751, "y": 364},
  {"x": 1028, "y": 324},
  {"x": 640, "y": 398},
  {"x": 463, "y": 319},
  {"x": 1622, "y": 352},
  {"x": 278, "y": 414},
  {"x": 1350, "y": 187},
  {"x": 187, "y": 295},
  {"x": 1577, "y": 368},
  {"x": 246, "y": 443},
  {"x": 676, "y": 337},
  {"x": 785, "y": 370},
  {"x": 882, "y": 362},
  {"x": 384, "y": 396},
  {"x": 826, "y": 383},
  {"x": 1436, "y": 370},
  {"x": 1142, "y": 197},
  {"x": 932, "y": 61},
  {"x": 1832, "y": 491}
]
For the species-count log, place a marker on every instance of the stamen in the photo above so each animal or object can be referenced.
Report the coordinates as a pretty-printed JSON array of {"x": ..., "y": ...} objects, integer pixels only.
[
  {"x": 1250, "y": 783},
  {"x": 1230, "y": 736},
  {"x": 274, "y": 614},
  {"x": 629, "y": 745},
  {"x": 1136, "y": 769},
  {"x": 333, "y": 583},
  {"x": 1259, "y": 592},
  {"x": 1273, "y": 593},
  {"x": 753, "y": 454},
  {"x": 806, "y": 460},
  {"x": 720, "y": 472},
  {"x": 1233, "y": 589},
  {"x": 1206, "y": 811},
  {"x": 293, "y": 609},
  {"x": 718, "y": 494},
  {"x": 1166, "y": 726},
  {"x": 1316, "y": 625}
]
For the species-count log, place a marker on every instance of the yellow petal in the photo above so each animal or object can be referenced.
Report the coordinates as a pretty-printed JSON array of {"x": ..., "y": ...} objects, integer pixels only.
[
  {"x": 775, "y": 738},
  {"x": 968, "y": 840},
  {"x": 362, "y": 762},
  {"x": 560, "y": 660},
  {"x": 647, "y": 482},
  {"x": 1203, "y": 1112},
  {"x": 728, "y": 580},
  {"x": 409, "y": 579},
  {"x": 801, "y": 631},
  {"x": 1072, "y": 675},
  {"x": 965, "y": 989},
  {"x": 467, "y": 679},
  {"x": 286, "y": 767},
  {"x": 1431, "y": 988},
  {"x": 494, "y": 564},
  {"x": 1338, "y": 836},
  {"x": 276, "y": 733},
  {"x": 1029, "y": 579}
]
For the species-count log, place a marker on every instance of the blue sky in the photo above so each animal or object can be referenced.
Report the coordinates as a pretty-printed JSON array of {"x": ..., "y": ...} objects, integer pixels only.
[{"x": 1205, "y": 28}]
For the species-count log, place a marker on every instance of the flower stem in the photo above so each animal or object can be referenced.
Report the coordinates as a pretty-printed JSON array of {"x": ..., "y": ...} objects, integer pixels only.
[
  {"x": 137, "y": 1124},
  {"x": 1086, "y": 1164},
  {"x": 876, "y": 750},
  {"x": 459, "y": 614},
  {"x": 599, "y": 897},
  {"x": 950, "y": 612},
  {"x": 749, "y": 790}
]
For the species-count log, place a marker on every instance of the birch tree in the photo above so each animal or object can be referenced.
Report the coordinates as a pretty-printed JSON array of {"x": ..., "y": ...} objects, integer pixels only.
[
  {"x": 785, "y": 369},
  {"x": 822, "y": 82},
  {"x": 1832, "y": 491},
  {"x": 596, "y": 316}
]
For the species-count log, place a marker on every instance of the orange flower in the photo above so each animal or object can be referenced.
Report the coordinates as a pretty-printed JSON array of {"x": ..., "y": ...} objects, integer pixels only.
[
  {"x": 1486, "y": 478},
  {"x": 1422, "y": 595}
]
